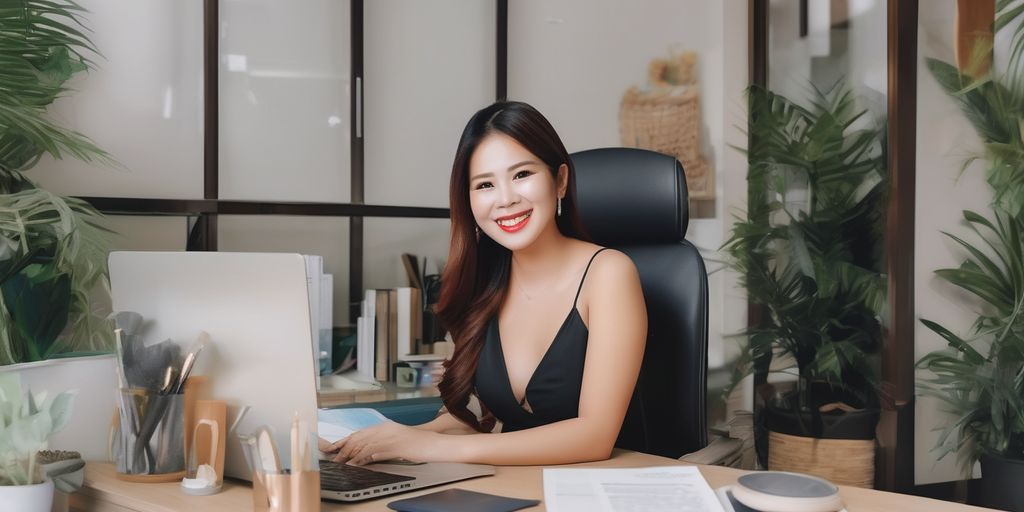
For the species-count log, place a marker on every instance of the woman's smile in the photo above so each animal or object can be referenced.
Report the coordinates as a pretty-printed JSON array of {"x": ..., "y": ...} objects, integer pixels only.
[{"x": 514, "y": 222}]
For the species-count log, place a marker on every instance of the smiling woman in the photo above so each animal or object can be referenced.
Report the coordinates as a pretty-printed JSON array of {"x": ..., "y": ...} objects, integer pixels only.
[{"x": 549, "y": 328}]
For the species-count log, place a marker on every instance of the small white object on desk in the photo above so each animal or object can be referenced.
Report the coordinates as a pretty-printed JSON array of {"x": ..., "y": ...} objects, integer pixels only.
[{"x": 205, "y": 482}]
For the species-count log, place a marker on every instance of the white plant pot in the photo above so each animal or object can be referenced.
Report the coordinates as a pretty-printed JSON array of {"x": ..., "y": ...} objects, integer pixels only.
[{"x": 27, "y": 498}]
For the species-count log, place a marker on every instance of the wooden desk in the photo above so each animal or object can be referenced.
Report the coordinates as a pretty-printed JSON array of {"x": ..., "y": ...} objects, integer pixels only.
[{"x": 104, "y": 493}]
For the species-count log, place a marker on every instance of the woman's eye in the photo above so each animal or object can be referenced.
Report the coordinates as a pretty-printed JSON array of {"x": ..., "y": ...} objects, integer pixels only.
[
  {"x": 482, "y": 185},
  {"x": 522, "y": 174}
]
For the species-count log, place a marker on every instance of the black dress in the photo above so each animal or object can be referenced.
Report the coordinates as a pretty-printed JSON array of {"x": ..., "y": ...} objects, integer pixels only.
[{"x": 553, "y": 391}]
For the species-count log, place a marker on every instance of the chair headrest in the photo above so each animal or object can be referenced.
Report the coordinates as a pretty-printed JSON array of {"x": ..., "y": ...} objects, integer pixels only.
[{"x": 630, "y": 196}]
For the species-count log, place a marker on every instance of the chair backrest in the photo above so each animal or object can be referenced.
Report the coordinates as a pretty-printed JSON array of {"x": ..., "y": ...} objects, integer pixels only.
[{"x": 636, "y": 201}]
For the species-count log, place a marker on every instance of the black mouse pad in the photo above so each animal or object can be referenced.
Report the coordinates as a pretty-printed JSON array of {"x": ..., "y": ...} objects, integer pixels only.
[{"x": 460, "y": 500}]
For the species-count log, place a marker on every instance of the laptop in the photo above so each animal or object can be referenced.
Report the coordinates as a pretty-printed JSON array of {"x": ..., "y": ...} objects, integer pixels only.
[{"x": 255, "y": 307}]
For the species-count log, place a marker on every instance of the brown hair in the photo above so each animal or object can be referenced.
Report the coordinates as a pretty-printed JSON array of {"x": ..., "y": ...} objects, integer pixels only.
[{"x": 476, "y": 276}]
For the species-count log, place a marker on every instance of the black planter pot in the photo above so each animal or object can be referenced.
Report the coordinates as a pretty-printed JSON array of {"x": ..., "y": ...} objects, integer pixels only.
[
  {"x": 851, "y": 425},
  {"x": 1001, "y": 483}
]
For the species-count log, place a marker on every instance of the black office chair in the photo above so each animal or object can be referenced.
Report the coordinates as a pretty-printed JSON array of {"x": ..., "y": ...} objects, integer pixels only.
[{"x": 636, "y": 201}]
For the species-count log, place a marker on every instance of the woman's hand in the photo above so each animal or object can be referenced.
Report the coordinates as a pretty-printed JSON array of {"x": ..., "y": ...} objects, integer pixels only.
[{"x": 389, "y": 440}]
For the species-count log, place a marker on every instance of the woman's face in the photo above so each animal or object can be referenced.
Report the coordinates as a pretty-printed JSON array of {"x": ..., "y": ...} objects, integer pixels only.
[{"x": 512, "y": 193}]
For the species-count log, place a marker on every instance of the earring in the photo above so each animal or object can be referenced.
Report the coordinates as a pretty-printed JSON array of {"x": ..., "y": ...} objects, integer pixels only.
[
  {"x": 477, "y": 228},
  {"x": 558, "y": 212}
]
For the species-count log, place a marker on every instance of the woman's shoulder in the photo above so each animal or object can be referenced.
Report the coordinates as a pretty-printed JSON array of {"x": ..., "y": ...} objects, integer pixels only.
[{"x": 609, "y": 265}]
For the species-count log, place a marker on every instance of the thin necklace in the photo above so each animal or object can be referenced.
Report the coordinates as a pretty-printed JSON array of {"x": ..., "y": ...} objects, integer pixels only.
[{"x": 523, "y": 290}]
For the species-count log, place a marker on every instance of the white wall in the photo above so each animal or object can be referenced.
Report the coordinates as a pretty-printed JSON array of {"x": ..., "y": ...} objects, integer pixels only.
[{"x": 944, "y": 140}]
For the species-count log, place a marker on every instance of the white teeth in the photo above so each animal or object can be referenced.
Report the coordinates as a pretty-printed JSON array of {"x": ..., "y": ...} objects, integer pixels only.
[{"x": 512, "y": 222}]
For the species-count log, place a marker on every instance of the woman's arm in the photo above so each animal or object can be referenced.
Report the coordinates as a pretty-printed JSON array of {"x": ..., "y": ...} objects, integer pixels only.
[{"x": 617, "y": 328}]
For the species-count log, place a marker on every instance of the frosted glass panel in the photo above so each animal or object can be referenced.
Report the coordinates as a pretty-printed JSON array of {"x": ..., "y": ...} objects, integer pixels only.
[
  {"x": 385, "y": 239},
  {"x": 564, "y": 60},
  {"x": 841, "y": 40},
  {"x": 429, "y": 66},
  {"x": 323, "y": 236},
  {"x": 143, "y": 104},
  {"x": 138, "y": 233},
  {"x": 285, "y": 84}
]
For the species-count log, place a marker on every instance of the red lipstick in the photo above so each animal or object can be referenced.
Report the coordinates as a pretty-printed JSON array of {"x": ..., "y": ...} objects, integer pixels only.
[{"x": 509, "y": 223}]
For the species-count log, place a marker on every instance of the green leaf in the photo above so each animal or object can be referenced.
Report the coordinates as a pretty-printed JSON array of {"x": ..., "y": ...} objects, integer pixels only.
[
  {"x": 30, "y": 434},
  {"x": 39, "y": 301},
  {"x": 61, "y": 408},
  {"x": 954, "y": 341}
]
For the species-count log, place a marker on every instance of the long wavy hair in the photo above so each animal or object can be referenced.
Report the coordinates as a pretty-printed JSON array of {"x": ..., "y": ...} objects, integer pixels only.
[{"x": 476, "y": 276}]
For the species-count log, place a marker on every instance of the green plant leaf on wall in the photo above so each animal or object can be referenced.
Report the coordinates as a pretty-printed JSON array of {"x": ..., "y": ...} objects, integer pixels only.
[
  {"x": 66, "y": 232},
  {"x": 43, "y": 44},
  {"x": 38, "y": 299}
]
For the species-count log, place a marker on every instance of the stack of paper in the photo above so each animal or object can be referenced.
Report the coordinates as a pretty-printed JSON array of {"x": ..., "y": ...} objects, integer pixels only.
[{"x": 657, "y": 489}]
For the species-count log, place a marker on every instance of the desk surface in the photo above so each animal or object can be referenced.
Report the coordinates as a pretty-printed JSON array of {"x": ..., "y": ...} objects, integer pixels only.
[{"x": 104, "y": 493}]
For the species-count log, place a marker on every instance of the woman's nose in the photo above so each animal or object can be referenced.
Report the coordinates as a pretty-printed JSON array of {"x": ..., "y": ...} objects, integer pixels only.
[{"x": 507, "y": 197}]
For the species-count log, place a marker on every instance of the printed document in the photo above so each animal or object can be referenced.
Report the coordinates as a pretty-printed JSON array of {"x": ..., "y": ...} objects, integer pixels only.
[
  {"x": 334, "y": 424},
  {"x": 657, "y": 489}
]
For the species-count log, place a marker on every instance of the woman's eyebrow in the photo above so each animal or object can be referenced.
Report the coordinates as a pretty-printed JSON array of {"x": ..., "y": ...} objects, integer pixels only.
[{"x": 524, "y": 162}]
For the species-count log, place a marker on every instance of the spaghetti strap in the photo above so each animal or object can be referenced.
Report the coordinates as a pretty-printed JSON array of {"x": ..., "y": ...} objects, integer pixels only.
[{"x": 584, "y": 278}]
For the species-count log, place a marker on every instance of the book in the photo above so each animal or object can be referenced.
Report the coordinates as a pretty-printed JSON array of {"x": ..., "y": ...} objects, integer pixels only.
[
  {"x": 314, "y": 269},
  {"x": 380, "y": 334},
  {"x": 365, "y": 336},
  {"x": 326, "y": 322}
]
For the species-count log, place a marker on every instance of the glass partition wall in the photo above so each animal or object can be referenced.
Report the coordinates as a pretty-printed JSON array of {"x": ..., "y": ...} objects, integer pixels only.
[
  {"x": 800, "y": 50},
  {"x": 811, "y": 243},
  {"x": 329, "y": 127}
]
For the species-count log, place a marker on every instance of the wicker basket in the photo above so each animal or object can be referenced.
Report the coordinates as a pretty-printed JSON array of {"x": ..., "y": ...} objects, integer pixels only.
[
  {"x": 667, "y": 120},
  {"x": 840, "y": 461}
]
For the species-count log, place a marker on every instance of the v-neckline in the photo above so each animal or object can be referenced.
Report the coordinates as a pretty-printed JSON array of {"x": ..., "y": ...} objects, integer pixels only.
[{"x": 504, "y": 365}]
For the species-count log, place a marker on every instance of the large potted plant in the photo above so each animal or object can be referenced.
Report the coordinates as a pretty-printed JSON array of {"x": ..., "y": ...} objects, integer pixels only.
[
  {"x": 52, "y": 248},
  {"x": 980, "y": 378},
  {"x": 26, "y": 422},
  {"x": 809, "y": 254}
]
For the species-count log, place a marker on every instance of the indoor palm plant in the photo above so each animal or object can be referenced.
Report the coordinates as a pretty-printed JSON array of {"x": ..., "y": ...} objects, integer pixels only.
[
  {"x": 809, "y": 253},
  {"x": 52, "y": 248},
  {"x": 980, "y": 378}
]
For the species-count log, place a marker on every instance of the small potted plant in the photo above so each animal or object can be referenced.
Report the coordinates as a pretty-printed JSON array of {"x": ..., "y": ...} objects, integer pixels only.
[
  {"x": 809, "y": 253},
  {"x": 26, "y": 422}
]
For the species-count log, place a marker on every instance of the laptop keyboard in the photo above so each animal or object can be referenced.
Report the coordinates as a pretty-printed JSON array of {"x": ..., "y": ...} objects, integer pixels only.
[{"x": 339, "y": 477}]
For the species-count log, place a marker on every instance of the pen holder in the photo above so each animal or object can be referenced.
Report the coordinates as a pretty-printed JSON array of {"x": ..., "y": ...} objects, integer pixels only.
[
  {"x": 205, "y": 473},
  {"x": 148, "y": 440},
  {"x": 287, "y": 492},
  {"x": 276, "y": 490}
]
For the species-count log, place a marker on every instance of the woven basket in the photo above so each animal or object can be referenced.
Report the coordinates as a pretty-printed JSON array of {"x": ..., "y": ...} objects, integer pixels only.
[
  {"x": 667, "y": 120},
  {"x": 840, "y": 461}
]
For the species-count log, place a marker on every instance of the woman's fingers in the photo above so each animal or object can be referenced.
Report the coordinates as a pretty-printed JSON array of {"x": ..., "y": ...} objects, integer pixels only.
[{"x": 366, "y": 453}]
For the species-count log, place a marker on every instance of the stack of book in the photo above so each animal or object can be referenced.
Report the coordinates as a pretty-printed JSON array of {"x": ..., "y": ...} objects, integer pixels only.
[{"x": 390, "y": 336}]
